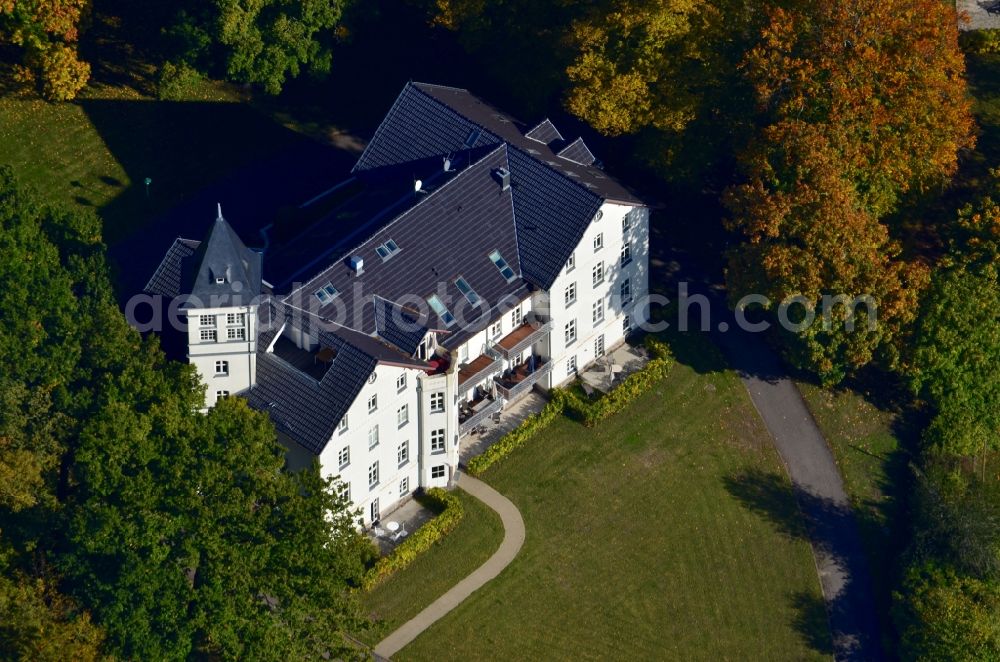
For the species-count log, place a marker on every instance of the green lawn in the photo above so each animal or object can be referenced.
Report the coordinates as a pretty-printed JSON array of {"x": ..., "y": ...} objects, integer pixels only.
[
  {"x": 404, "y": 594},
  {"x": 669, "y": 531},
  {"x": 96, "y": 151}
]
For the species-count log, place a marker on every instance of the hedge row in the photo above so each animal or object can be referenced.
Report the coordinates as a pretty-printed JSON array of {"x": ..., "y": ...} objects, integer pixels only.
[
  {"x": 590, "y": 413},
  {"x": 450, "y": 513},
  {"x": 519, "y": 435}
]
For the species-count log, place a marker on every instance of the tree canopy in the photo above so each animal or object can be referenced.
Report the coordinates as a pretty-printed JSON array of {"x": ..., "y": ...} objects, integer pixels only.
[{"x": 46, "y": 33}]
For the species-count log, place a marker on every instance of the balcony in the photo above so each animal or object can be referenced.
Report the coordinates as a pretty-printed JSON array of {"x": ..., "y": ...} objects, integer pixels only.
[
  {"x": 482, "y": 368},
  {"x": 523, "y": 337},
  {"x": 478, "y": 411},
  {"x": 516, "y": 382}
]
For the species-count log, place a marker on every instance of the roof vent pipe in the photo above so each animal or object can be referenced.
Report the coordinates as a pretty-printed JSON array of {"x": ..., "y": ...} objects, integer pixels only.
[{"x": 504, "y": 176}]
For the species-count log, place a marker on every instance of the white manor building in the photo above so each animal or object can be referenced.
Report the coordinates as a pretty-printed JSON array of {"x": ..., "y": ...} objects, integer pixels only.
[{"x": 466, "y": 262}]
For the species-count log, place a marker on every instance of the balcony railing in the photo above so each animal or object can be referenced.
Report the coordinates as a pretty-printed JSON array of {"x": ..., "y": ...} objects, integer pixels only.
[
  {"x": 467, "y": 422},
  {"x": 523, "y": 337},
  {"x": 519, "y": 381},
  {"x": 481, "y": 368}
]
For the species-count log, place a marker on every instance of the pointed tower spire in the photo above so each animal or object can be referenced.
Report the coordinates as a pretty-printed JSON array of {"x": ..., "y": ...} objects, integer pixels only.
[{"x": 219, "y": 205}]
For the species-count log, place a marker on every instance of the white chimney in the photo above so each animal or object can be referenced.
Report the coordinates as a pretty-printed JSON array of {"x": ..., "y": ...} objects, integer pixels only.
[{"x": 357, "y": 265}]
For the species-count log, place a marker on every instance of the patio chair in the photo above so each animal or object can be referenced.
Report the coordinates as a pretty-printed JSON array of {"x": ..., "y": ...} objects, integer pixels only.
[
  {"x": 399, "y": 535},
  {"x": 378, "y": 531},
  {"x": 496, "y": 417}
]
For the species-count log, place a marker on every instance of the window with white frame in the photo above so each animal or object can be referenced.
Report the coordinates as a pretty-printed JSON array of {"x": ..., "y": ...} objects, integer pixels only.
[
  {"x": 219, "y": 395},
  {"x": 372, "y": 403},
  {"x": 463, "y": 354},
  {"x": 437, "y": 401},
  {"x": 373, "y": 474},
  {"x": 236, "y": 333},
  {"x": 570, "y": 331},
  {"x": 374, "y": 510},
  {"x": 222, "y": 367},
  {"x": 437, "y": 471},
  {"x": 401, "y": 383},
  {"x": 516, "y": 317},
  {"x": 627, "y": 222},
  {"x": 403, "y": 452},
  {"x": 372, "y": 437},
  {"x": 627, "y": 324},
  {"x": 404, "y": 486},
  {"x": 571, "y": 262},
  {"x": 209, "y": 335},
  {"x": 403, "y": 415},
  {"x": 570, "y": 294},
  {"x": 598, "y": 312},
  {"x": 599, "y": 346},
  {"x": 598, "y": 241},
  {"x": 437, "y": 440},
  {"x": 344, "y": 456},
  {"x": 344, "y": 491},
  {"x": 598, "y": 273},
  {"x": 206, "y": 320},
  {"x": 495, "y": 330},
  {"x": 236, "y": 319},
  {"x": 571, "y": 365},
  {"x": 625, "y": 289},
  {"x": 626, "y": 255},
  {"x": 342, "y": 426}
]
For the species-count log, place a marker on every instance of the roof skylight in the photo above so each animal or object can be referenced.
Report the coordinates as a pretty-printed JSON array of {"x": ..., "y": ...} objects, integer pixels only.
[
  {"x": 473, "y": 137},
  {"x": 326, "y": 293},
  {"x": 387, "y": 250},
  {"x": 502, "y": 265},
  {"x": 467, "y": 290},
  {"x": 442, "y": 312}
]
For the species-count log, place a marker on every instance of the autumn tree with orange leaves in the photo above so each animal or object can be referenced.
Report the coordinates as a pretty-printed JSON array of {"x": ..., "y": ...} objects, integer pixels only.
[
  {"x": 46, "y": 32},
  {"x": 862, "y": 101}
]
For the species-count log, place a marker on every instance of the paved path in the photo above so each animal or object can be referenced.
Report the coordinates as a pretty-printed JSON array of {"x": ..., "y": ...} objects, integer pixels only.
[
  {"x": 512, "y": 540},
  {"x": 819, "y": 490}
]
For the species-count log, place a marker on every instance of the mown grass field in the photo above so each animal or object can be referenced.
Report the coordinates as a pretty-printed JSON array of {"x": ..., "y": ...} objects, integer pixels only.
[{"x": 667, "y": 532}]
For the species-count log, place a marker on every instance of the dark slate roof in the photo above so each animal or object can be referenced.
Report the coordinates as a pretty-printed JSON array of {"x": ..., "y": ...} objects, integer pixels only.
[
  {"x": 577, "y": 152},
  {"x": 166, "y": 280},
  {"x": 450, "y": 232},
  {"x": 546, "y": 132},
  {"x": 222, "y": 254},
  {"x": 552, "y": 214},
  {"x": 397, "y": 325},
  {"x": 302, "y": 407}
]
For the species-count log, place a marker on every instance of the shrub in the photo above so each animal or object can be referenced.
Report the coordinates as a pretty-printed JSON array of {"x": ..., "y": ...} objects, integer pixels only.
[
  {"x": 450, "y": 512},
  {"x": 516, "y": 438},
  {"x": 980, "y": 42},
  {"x": 61, "y": 74},
  {"x": 176, "y": 81}
]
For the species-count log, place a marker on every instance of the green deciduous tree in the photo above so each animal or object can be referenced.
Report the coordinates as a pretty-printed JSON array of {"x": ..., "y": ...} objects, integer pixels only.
[{"x": 46, "y": 32}]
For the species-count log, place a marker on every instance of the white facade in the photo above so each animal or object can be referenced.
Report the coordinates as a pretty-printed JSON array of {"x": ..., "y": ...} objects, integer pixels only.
[{"x": 222, "y": 345}]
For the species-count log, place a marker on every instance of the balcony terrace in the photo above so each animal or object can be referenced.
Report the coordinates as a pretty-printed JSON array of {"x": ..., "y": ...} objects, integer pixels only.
[
  {"x": 483, "y": 367},
  {"x": 519, "y": 380},
  {"x": 523, "y": 337}
]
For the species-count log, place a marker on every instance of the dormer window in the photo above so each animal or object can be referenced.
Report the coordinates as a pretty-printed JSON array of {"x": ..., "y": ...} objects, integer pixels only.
[{"x": 220, "y": 280}]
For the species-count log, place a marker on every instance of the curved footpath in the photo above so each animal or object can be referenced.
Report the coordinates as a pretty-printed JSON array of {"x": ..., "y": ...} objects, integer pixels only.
[
  {"x": 513, "y": 538},
  {"x": 819, "y": 491}
]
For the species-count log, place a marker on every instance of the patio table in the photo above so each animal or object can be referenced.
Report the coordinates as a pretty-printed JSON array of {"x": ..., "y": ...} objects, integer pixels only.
[{"x": 392, "y": 526}]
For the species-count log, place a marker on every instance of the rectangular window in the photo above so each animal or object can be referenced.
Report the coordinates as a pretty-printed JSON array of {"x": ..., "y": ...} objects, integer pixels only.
[
  {"x": 570, "y": 294},
  {"x": 344, "y": 456},
  {"x": 437, "y": 440},
  {"x": 403, "y": 415},
  {"x": 495, "y": 331},
  {"x": 466, "y": 290},
  {"x": 598, "y": 312},
  {"x": 435, "y": 303},
  {"x": 342, "y": 426},
  {"x": 598, "y": 273},
  {"x": 326, "y": 293},
  {"x": 222, "y": 367},
  {"x": 372, "y": 437},
  {"x": 387, "y": 250},
  {"x": 502, "y": 265},
  {"x": 598, "y": 241},
  {"x": 401, "y": 383},
  {"x": 372, "y": 403},
  {"x": 599, "y": 345},
  {"x": 571, "y": 365},
  {"x": 236, "y": 318},
  {"x": 236, "y": 333},
  {"x": 209, "y": 335},
  {"x": 627, "y": 324},
  {"x": 403, "y": 453},
  {"x": 516, "y": 317},
  {"x": 627, "y": 222},
  {"x": 219, "y": 395},
  {"x": 373, "y": 474},
  {"x": 404, "y": 487},
  {"x": 438, "y": 471},
  {"x": 626, "y": 291},
  {"x": 344, "y": 491},
  {"x": 570, "y": 332},
  {"x": 206, "y": 320},
  {"x": 374, "y": 510},
  {"x": 571, "y": 262},
  {"x": 437, "y": 401},
  {"x": 626, "y": 253}
]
